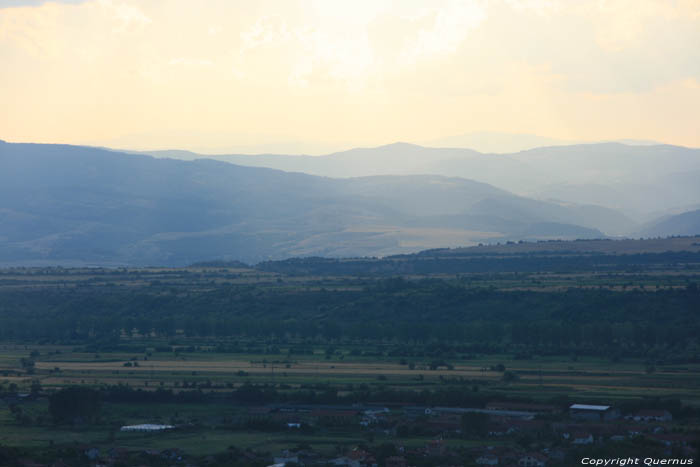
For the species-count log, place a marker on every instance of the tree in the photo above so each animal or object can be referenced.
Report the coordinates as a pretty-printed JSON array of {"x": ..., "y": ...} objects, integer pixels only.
[
  {"x": 475, "y": 423},
  {"x": 28, "y": 365},
  {"x": 75, "y": 404}
]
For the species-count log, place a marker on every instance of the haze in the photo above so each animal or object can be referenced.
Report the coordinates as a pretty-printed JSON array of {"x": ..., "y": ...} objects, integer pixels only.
[{"x": 319, "y": 76}]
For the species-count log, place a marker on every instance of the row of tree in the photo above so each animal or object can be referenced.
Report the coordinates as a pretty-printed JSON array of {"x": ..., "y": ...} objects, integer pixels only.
[{"x": 571, "y": 321}]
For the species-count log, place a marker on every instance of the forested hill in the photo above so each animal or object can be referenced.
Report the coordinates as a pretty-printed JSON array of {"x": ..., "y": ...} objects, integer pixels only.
[{"x": 552, "y": 256}]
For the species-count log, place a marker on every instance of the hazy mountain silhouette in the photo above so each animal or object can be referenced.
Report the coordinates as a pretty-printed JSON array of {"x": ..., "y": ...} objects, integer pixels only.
[
  {"x": 505, "y": 143},
  {"x": 494, "y": 142},
  {"x": 639, "y": 179},
  {"x": 687, "y": 223},
  {"x": 80, "y": 205}
]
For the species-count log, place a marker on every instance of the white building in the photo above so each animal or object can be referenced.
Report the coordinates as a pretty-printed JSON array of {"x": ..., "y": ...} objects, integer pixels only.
[
  {"x": 593, "y": 412},
  {"x": 146, "y": 427}
]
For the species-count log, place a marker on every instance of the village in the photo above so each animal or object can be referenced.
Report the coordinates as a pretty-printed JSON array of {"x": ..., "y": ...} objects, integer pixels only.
[
  {"x": 553, "y": 434},
  {"x": 501, "y": 433}
]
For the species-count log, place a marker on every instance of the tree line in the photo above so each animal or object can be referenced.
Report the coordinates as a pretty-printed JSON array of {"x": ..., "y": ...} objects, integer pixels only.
[{"x": 642, "y": 323}]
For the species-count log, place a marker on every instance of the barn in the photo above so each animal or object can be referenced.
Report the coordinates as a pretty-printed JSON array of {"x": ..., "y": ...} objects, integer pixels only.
[{"x": 595, "y": 413}]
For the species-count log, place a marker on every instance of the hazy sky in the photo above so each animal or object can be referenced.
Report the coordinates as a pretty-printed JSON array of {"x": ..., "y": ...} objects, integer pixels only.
[{"x": 321, "y": 75}]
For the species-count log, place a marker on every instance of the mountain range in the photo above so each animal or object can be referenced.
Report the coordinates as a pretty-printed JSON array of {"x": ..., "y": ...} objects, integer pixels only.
[
  {"x": 644, "y": 181},
  {"x": 75, "y": 205}
]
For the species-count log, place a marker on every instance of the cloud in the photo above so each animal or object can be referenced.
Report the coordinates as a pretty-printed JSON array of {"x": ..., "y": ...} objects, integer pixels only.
[
  {"x": 266, "y": 30},
  {"x": 363, "y": 71},
  {"x": 344, "y": 43},
  {"x": 306, "y": 52},
  {"x": 450, "y": 27},
  {"x": 541, "y": 7},
  {"x": 127, "y": 16}
]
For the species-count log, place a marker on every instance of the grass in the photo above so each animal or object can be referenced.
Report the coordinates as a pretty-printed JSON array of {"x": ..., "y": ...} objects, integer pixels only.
[
  {"x": 593, "y": 376},
  {"x": 541, "y": 379}
]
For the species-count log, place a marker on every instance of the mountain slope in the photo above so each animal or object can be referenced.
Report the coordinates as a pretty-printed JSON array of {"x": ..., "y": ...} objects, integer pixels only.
[
  {"x": 637, "y": 179},
  {"x": 687, "y": 223},
  {"x": 78, "y": 205}
]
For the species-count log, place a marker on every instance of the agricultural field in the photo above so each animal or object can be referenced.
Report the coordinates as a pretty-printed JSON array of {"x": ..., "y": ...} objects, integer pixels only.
[
  {"x": 211, "y": 423},
  {"x": 410, "y": 357},
  {"x": 586, "y": 377}
]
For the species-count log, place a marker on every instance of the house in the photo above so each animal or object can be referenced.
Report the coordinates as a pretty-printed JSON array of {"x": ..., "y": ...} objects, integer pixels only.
[
  {"x": 651, "y": 416},
  {"x": 594, "y": 413},
  {"x": 582, "y": 438},
  {"x": 487, "y": 459},
  {"x": 532, "y": 460}
]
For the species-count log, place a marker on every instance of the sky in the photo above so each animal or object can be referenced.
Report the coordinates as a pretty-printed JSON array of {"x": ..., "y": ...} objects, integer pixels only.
[{"x": 316, "y": 76}]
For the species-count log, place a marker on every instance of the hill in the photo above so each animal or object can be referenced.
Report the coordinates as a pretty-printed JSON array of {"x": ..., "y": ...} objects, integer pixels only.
[
  {"x": 687, "y": 223},
  {"x": 79, "y": 205},
  {"x": 555, "y": 256},
  {"x": 638, "y": 179}
]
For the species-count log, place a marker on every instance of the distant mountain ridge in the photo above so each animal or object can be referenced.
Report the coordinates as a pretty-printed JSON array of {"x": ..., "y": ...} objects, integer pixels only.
[
  {"x": 495, "y": 142},
  {"x": 687, "y": 223},
  {"x": 639, "y": 180},
  {"x": 69, "y": 205}
]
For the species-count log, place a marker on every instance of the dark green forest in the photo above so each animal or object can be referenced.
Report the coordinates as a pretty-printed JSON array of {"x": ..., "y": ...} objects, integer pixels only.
[
  {"x": 448, "y": 313},
  {"x": 546, "y": 298}
]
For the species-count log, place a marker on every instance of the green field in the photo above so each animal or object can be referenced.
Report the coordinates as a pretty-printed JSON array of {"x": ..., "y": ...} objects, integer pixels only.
[
  {"x": 229, "y": 356},
  {"x": 541, "y": 379}
]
